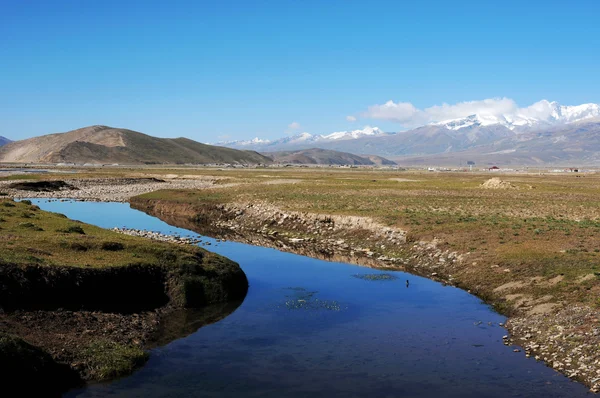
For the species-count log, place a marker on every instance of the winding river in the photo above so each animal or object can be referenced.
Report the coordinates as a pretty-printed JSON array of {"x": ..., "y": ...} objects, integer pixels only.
[{"x": 322, "y": 329}]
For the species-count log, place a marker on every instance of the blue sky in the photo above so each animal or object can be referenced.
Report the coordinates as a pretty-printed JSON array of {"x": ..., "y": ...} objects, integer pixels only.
[{"x": 240, "y": 69}]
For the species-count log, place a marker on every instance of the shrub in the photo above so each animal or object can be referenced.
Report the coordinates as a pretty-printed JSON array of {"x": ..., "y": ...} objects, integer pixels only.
[
  {"x": 112, "y": 246},
  {"x": 72, "y": 229}
]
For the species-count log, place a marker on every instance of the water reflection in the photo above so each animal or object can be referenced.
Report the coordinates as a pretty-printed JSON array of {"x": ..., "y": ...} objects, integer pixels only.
[{"x": 183, "y": 322}]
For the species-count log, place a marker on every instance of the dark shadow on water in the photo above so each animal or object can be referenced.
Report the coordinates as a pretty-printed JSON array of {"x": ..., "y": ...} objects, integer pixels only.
[{"x": 183, "y": 322}]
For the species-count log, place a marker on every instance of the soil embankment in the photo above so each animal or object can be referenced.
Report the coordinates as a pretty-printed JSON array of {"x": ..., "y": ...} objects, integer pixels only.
[
  {"x": 80, "y": 303},
  {"x": 564, "y": 336}
]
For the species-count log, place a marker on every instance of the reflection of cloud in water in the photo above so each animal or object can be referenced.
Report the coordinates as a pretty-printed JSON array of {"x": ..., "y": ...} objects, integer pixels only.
[
  {"x": 302, "y": 299},
  {"x": 376, "y": 277}
]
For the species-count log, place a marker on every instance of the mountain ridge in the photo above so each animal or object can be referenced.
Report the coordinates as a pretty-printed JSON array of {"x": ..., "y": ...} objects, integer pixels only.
[
  {"x": 302, "y": 140},
  {"x": 4, "y": 141},
  {"x": 539, "y": 116},
  {"x": 318, "y": 156},
  {"x": 104, "y": 145},
  {"x": 546, "y": 130}
]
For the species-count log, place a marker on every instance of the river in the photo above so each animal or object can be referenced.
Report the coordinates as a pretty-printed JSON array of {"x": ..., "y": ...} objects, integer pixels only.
[{"x": 323, "y": 329}]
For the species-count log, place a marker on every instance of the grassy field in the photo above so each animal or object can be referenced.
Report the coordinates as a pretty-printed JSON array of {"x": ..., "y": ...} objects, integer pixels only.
[
  {"x": 544, "y": 226},
  {"x": 32, "y": 236}
]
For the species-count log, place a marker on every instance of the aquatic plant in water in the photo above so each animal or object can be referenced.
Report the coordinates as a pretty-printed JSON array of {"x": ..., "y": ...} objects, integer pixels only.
[
  {"x": 302, "y": 299},
  {"x": 375, "y": 277}
]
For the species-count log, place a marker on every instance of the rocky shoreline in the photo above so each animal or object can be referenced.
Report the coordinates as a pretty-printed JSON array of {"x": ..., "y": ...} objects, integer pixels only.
[{"x": 566, "y": 338}]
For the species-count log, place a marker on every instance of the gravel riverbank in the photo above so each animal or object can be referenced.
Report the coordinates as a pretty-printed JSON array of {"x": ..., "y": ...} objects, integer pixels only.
[{"x": 106, "y": 189}]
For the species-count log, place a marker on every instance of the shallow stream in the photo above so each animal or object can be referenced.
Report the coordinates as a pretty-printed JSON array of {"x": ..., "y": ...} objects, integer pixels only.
[{"x": 321, "y": 329}]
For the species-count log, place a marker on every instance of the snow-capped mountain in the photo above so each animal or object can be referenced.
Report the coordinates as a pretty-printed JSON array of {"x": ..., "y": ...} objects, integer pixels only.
[
  {"x": 542, "y": 114},
  {"x": 548, "y": 130},
  {"x": 346, "y": 135},
  {"x": 303, "y": 140}
]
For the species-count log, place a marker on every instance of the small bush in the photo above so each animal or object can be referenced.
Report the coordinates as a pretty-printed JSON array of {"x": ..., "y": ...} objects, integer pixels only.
[
  {"x": 72, "y": 229},
  {"x": 30, "y": 225},
  {"x": 8, "y": 204},
  {"x": 112, "y": 246},
  {"x": 80, "y": 247},
  {"x": 27, "y": 202}
]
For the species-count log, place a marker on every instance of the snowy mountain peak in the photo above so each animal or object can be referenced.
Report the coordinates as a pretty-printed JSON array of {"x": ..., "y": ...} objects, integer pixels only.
[
  {"x": 254, "y": 141},
  {"x": 341, "y": 135},
  {"x": 304, "y": 138},
  {"x": 541, "y": 114}
]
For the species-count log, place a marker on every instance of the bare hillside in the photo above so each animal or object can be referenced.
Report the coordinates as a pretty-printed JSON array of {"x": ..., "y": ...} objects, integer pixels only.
[
  {"x": 102, "y": 144},
  {"x": 325, "y": 157}
]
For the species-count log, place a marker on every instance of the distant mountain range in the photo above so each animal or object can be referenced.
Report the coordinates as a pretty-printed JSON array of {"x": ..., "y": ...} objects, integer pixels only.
[
  {"x": 545, "y": 133},
  {"x": 4, "y": 141},
  {"x": 107, "y": 145},
  {"x": 316, "y": 156},
  {"x": 542, "y": 114},
  {"x": 302, "y": 141}
]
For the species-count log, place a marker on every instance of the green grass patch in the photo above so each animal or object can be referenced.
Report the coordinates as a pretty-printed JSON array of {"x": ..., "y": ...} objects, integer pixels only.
[{"x": 108, "y": 360}]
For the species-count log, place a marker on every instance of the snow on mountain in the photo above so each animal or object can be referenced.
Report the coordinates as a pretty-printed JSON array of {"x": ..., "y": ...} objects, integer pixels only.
[
  {"x": 304, "y": 138},
  {"x": 539, "y": 115},
  {"x": 344, "y": 135},
  {"x": 254, "y": 141},
  {"x": 481, "y": 128}
]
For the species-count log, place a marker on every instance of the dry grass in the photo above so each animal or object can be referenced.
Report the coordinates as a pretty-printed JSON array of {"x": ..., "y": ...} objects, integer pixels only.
[{"x": 547, "y": 227}]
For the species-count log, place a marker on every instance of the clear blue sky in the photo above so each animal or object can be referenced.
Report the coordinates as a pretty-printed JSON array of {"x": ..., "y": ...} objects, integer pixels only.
[{"x": 208, "y": 69}]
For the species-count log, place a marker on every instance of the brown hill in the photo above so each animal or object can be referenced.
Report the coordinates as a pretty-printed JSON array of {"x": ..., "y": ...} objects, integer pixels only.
[
  {"x": 102, "y": 144},
  {"x": 325, "y": 157}
]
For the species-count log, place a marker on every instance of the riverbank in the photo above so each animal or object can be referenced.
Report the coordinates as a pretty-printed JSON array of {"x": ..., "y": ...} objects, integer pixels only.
[
  {"x": 107, "y": 189},
  {"x": 83, "y": 304},
  {"x": 548, "y": 318}
]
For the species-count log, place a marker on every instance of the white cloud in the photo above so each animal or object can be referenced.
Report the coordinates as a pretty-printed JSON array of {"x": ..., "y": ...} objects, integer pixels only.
[
  {"x": 492, "y": 107},
  {"x": 400, "y": 112},
  {"x": 541, "y": 110},
  {"x": 408, "y": 115},
  {"x": 294, "y": 126},
  {"x": 351, "y": 118}
]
